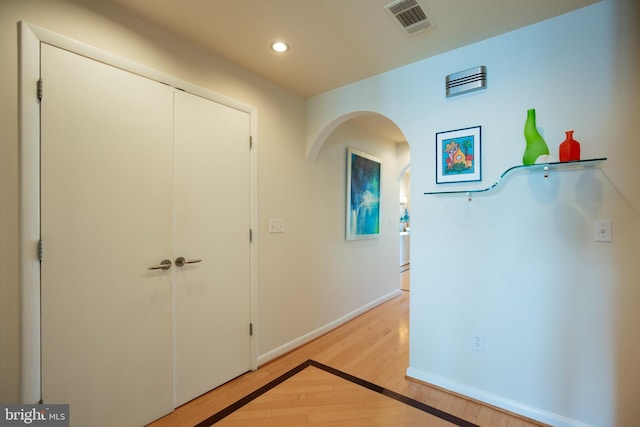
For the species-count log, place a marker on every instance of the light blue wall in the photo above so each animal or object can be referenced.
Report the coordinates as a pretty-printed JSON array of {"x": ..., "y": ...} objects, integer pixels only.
[{"x": 519, "y": 265}]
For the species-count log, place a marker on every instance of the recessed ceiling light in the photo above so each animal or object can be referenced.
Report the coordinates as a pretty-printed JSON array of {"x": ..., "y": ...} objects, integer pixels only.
[{"x": 280, "y": 46}]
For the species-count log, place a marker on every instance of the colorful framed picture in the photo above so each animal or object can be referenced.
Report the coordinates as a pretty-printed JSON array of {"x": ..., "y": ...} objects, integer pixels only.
[
  {"x": 459, "y": 155},
  {"x": 363, "y": 195}
]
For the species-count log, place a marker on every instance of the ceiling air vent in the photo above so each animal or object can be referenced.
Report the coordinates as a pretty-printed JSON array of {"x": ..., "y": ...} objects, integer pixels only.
[
  {"x": 409, "y": 15},
  {"x": 466, "y": 81}
]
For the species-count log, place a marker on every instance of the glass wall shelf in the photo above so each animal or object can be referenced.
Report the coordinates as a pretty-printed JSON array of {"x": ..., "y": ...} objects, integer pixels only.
[{"x": 546, "y": 167}]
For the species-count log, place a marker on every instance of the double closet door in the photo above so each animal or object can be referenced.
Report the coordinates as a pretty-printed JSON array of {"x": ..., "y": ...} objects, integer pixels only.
[{"x": 136, "y": 175}]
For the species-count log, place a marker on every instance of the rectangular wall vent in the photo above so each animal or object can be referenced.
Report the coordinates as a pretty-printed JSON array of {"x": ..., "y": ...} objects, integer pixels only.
[
  {"x": 409, "y": 15},
  {"x": 466, "y": 81}
]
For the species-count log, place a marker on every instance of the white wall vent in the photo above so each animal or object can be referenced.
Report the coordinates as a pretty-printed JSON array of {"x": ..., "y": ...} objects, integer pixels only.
[
  {"x": 409, "y": 15},
  {"x": 466, "y": 81}
]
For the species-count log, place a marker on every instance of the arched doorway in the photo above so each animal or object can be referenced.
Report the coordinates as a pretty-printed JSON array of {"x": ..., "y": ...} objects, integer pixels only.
[{"x": 380, "y": 127}]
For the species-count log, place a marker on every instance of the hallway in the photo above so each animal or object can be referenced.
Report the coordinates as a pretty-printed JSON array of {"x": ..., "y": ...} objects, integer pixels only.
[
  {"x": 374, "y": 347},
  {"x": 405, "y": 277}
]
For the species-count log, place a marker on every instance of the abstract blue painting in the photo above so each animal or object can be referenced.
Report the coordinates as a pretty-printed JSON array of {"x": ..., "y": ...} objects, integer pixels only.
[{"x": 363, "y": 195}]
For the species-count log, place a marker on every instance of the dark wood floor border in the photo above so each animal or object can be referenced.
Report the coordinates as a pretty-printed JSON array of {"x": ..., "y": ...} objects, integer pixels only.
[
  {"x": 397, "y": 396},
  {"x": 252, "y": 396},
  {"x": 359, "y": 381}
]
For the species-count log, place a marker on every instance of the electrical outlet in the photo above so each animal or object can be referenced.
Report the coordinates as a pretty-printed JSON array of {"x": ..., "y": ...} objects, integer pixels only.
[{"x": 478, "y": 343}]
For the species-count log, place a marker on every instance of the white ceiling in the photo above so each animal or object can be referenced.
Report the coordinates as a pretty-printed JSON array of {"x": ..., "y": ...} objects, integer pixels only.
[{"x": 336, "y": 42}]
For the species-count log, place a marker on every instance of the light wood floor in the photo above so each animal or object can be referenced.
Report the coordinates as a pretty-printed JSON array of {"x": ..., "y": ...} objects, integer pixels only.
[
  {"x": 314, "y": 397},
  {"x": 373, "y": 347}
]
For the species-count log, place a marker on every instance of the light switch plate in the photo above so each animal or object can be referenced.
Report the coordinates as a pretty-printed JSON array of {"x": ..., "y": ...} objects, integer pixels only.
[
  {"x": 276, "y": 225},
  {"x": 602, "y": 230}
]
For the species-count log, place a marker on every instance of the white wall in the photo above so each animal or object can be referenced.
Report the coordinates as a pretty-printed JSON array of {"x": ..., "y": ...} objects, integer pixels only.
[
  {"x": 333, "y": 277},
  {"x": 302, "y": 285},
  {"x": 519, "y": 265}
]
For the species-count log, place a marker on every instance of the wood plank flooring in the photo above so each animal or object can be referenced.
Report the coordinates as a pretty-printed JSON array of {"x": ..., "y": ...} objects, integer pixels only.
[
  {"x": 374, "y": 347},
  {"x": 314, "y": 397}
]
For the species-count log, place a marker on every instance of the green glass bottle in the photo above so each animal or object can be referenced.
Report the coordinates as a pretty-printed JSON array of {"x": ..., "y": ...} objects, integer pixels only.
[{"x": 536, "y": 146}]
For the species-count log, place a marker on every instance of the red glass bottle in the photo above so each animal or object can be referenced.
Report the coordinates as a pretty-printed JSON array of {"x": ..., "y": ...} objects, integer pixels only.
[{"x": 569, "y": 149}]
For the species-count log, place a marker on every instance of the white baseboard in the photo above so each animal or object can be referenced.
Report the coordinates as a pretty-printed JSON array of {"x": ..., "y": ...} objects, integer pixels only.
[
  {"x": 495, "y": 400},
  {"x": 292, "y": 345}
]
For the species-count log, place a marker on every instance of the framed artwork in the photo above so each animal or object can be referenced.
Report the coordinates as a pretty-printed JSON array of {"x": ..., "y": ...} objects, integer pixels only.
[
  {"x": 363, "y": 195},
  {"x": 459, "y": 155}
]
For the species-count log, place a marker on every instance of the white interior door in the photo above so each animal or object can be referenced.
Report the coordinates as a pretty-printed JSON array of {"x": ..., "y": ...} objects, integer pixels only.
[
  {"x": 106, "y": 203},
  {"x": 133, "y": 172},
  {"x": 212, "y": 297}
]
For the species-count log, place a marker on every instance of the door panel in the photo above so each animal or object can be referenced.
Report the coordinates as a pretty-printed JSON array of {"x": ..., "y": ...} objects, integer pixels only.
[
  {"x": 106, "y": 200},
  {"x": 212, "y": 305}
]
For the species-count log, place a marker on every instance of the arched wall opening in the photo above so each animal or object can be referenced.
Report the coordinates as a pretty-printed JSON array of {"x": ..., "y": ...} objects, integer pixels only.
[
  {"x": 379, "y": 136},
  {"x": 378, "y": 123}
]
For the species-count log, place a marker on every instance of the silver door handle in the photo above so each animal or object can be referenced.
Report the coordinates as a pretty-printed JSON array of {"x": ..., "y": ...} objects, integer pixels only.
[
  {"x": 180, "y": 261},
  {"x": 165, "y": 264}
]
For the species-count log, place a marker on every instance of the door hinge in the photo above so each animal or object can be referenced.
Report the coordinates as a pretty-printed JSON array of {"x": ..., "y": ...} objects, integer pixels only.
[
  {"x": 250, "y": 143},
  {"x": 40, "y": 90},
  {"x": 40, "y": 250},
  {"x": 250, "y": 329},
  {"x": 250, "y": 236}
]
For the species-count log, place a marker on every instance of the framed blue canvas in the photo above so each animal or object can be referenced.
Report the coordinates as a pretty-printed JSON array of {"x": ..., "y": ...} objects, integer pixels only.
[
  {"x": 459, "y": 155},
  {"x": 363, "y": 195}
]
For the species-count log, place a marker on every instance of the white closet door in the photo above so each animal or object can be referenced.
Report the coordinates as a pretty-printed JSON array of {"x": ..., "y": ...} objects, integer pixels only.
[
  {"x": 106, "y": 187},
  {"x": 212, "y": 299}
]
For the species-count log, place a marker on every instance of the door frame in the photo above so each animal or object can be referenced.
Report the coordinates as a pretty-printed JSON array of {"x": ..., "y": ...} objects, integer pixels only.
[{"x": 31, "y": 37}]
